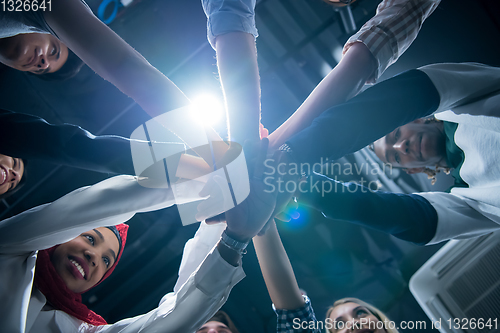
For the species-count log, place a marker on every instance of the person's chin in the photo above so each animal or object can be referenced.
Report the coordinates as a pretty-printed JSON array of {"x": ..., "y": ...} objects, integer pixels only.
[{"x": 428, "y": 148}]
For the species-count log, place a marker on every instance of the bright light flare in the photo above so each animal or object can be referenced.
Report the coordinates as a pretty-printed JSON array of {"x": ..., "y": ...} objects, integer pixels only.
[{"x": 207, "y": 109}]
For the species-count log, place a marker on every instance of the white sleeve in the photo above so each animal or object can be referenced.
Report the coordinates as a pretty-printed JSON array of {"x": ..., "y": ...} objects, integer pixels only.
[
  {"x": 110, "y": 202},
  {"x": 199, "y": 298},
  {"x": 462, "y": 83},
  {"x": 196, "y": 249},
  {"x": 458, "y": 217}
]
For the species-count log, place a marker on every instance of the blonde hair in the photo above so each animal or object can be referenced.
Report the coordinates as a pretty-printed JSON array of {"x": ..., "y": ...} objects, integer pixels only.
[{"x": 376, "y": 312}]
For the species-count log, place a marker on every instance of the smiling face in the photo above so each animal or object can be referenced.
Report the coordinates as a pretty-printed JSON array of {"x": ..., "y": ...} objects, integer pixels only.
[
  {"x": 352, "y": 317},
  {"x": 11, "y": 172},
  {"x": 415, "y": 145},
  {"x": 213, "y": 327},
  {"x": 83, "y": 261},
  {"x": 35, "y": 53}
]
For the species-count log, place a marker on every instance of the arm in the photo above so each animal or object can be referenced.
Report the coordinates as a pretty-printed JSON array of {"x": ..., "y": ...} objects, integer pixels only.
[
  {"x": 291, "y": 307},
  {"x": 31, "y": 137},
  {"x": 231, "y": 32},
  {"x": 350, "y": 126},
  {"x": 462, "y": 83},
  {"x": 421, "y": 218},
  {"x": 460, "y": 217},
  {"x": 367, "y": 54},
  {"x": 239, "y": 76},
  {"x": 192, "y": 304},
  {"x": 109, "y": 202},
  {"x": 277, "y": 270},
  {"x": 112, "y": 58},
  {"x": 196, "y": 249},
  {"x": 342, "y": 83},
  {"x": 392, "y": 30},
  {"x": 407, "y": 216}
]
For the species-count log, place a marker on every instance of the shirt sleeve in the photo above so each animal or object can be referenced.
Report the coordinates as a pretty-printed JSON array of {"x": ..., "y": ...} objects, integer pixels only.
[
  {"x": 392, "y": 30},
  {"x": 30, "y": 137},
  {"x": 301, "y": 320},
  {"x": 463, "y": 83},
  {"x": 348, "y": 127},
  {"x": 229, "y": 16},
  {"x": 196, "y": 301},
  {"x": 406, "y": 216},
  {"x": 196, "y": 249},
  {"x": 459, "y": 217},
  {"x": 110, "y": 202}
]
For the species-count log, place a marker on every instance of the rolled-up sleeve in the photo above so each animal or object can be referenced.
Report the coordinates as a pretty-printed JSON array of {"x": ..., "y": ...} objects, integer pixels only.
[
  {"x": 224, "y": 16},
  {"x": 392, "y": 30}
]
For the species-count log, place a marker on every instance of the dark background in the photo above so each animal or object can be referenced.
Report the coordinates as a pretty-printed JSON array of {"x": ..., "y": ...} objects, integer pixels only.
[{"x": 299, "y": 43}]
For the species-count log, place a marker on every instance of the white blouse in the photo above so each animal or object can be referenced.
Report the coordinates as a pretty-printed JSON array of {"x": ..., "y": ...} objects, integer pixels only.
[{"x": 199, "y": 293}]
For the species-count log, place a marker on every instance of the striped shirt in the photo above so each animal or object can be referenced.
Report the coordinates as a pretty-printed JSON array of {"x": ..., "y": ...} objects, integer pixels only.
[{"x": 392, "y": 30}]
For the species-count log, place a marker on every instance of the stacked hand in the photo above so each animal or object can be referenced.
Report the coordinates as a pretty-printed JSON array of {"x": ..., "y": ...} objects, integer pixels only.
[
  {"x": 246, "y": 219},
  {"x": 283, "y": 198}
]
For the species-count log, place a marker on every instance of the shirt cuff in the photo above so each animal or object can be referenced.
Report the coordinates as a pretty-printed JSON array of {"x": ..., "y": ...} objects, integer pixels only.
[
  {"x": 229, "y": 16},
  {"x": 292, "y": 320},
  {"x": 215, "y": 273}
]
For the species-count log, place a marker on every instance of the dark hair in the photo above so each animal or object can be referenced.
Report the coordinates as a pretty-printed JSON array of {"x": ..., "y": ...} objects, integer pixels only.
[
  {"x": 19, "y": 186},
  {"x": 71, "y": 67},
  {"x": 223, "y": 317}
]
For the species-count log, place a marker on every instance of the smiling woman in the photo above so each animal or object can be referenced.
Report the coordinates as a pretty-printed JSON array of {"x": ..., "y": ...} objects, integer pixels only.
[
  {"x": 11, "y": 173},
  {"x": 83, "y": 261},
  {"x": 359, "y": 315},
  {"x": 65, "y": 271},
  {"x": 70, "y": 251}
]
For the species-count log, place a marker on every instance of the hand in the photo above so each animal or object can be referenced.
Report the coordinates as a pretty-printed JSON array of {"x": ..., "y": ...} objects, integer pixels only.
[
  {"x": 247, "y": 219},
  {"x": 290, "y": 212},
  {"x": 287, "y": 215},
  {"x": 283, "y": 197},
  {"x": 263, "y": 132}
]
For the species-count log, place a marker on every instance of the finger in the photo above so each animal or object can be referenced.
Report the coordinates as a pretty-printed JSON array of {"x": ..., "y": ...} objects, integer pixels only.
[
  {"x": 213, "y": 187},
  {"x": 283, "y": 217},
  {"x": 208, "y": 188},
  {"x": 294, "y": 214},
  {"x": 221, "y": 218},
  {"x": 207, "y": 214},
  {"x": 220, "y": 199}
]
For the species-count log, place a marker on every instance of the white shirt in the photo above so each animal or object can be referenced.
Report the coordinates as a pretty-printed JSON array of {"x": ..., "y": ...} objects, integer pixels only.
[
  {"x": 472, "y": 92},
  {"x": 198, "y": 295}
]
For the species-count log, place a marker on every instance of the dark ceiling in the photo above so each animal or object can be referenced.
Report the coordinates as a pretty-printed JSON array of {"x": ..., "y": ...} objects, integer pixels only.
[{"x": 299, "y": 43}]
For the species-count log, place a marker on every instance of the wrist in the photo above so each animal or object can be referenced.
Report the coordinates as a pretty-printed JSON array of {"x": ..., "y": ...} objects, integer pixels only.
[
  {"x": 235, "y": 236},
  {"x": 235, "y": 241},
  {"x": 231, "y": 256}
]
